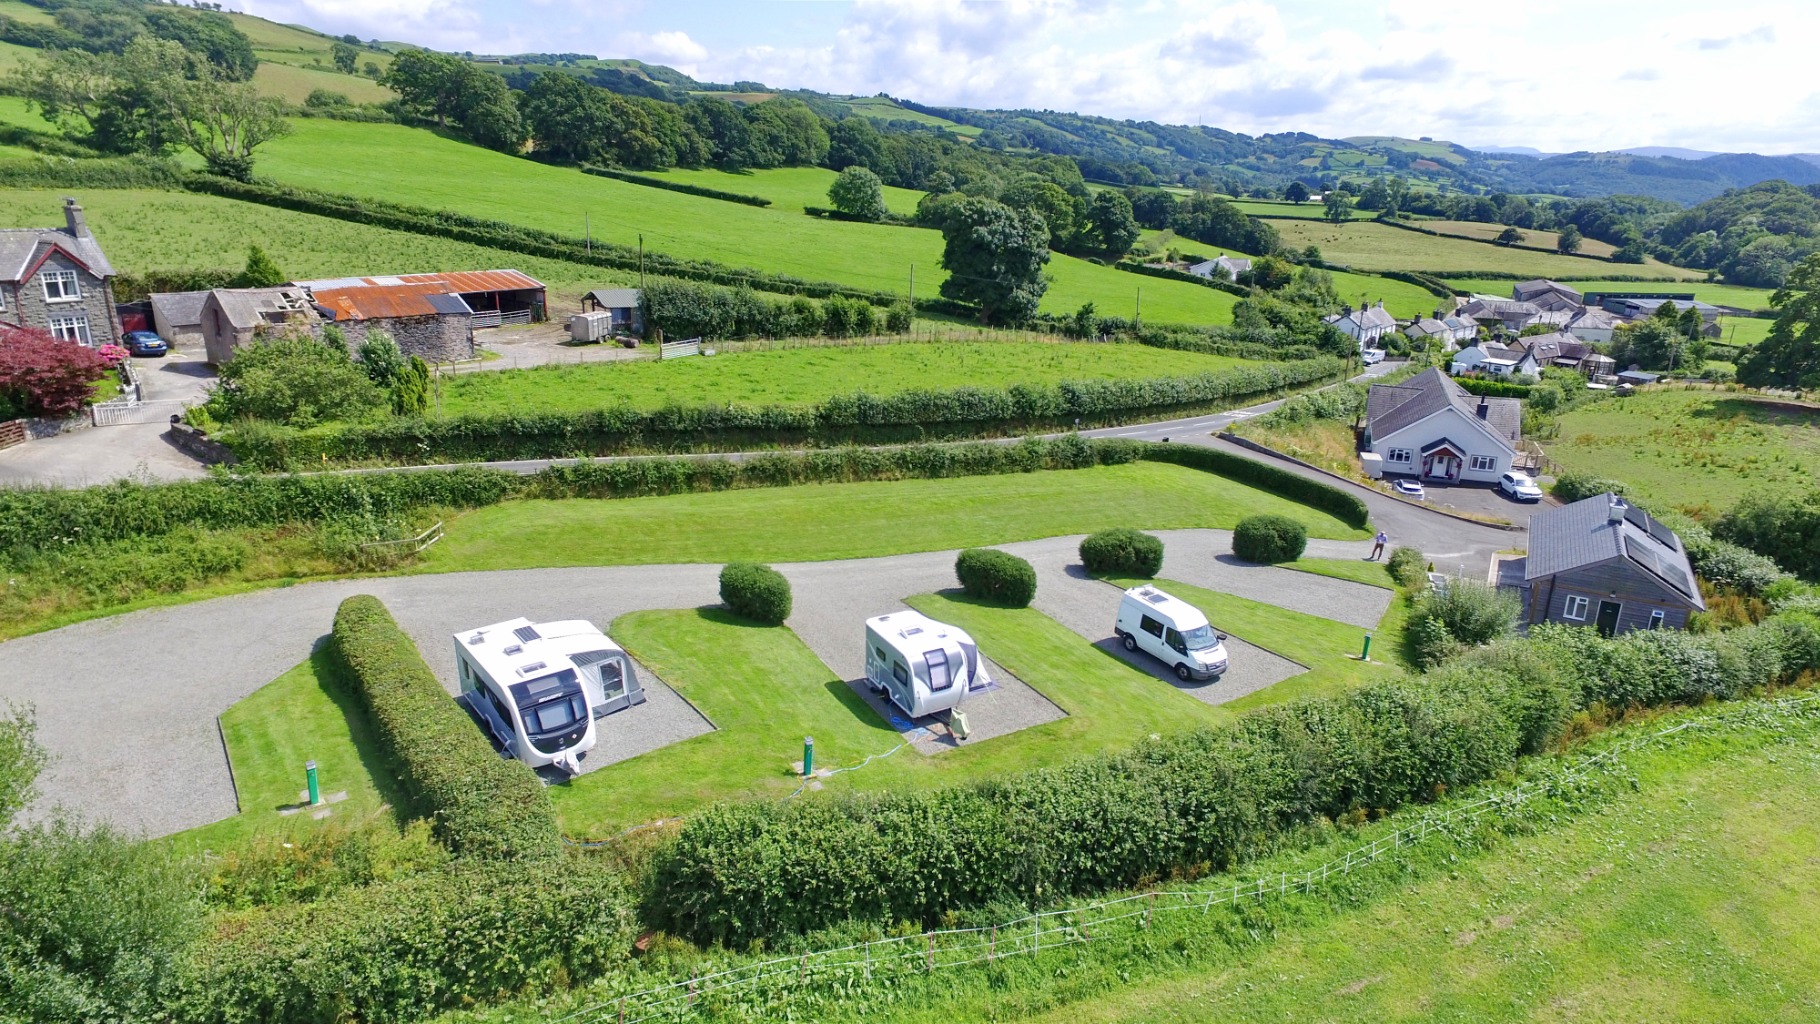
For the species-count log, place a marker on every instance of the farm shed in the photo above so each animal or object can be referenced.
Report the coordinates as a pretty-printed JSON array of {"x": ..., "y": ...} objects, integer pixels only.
[
  {"x": 622, "y": 303},
  {"x": 1604, "y": 563},
  {"x": 493, "y": 297},
  {"x": 233, "y": 317},
  {"x": 424, "y": 320},
  {"x": 177, "y": 316}
]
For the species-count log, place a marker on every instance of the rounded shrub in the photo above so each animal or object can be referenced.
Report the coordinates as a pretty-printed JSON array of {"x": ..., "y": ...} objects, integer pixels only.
[
  {"x": 1407, "y": 566},
  {"x": 1122, "y": 552},
  {"x": 997, "y": 576},
  {"x": 756, "y": 592},
  {"x": 1268, "y": 538}
]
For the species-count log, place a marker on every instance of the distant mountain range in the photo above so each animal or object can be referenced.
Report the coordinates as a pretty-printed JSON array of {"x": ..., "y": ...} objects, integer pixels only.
[{"x": 1674, "y": 152}]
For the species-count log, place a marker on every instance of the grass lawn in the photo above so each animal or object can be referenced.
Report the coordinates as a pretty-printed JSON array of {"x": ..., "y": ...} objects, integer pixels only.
[
  {"x": 801, "y": 376},
  {"x": 816, "y": 522},
  {"x": 1692, "y": 449},
  {"x": 1374, "y": 574},
  {"x": 1718, "y": 294},
  {"x": 789, "y": 188},
  {"x": 147, "y": 229},
  {"x": 414, "y": 165},
  {"x": 1381, "y": 247},
  {"x": 300, "y": 716}
]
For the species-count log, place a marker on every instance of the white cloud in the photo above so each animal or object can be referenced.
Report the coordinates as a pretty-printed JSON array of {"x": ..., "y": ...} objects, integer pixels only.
[{"x": 674, "y": 48}]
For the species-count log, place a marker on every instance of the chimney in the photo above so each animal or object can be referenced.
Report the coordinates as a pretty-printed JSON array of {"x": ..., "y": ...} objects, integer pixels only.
[
  {"x": 72, "y": 216},
  {"x": 1484, "y": 408},
  {"x": 1615, "y": 514}
]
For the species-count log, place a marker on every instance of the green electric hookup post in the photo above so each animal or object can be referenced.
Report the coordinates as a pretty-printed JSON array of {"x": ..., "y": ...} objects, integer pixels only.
[
  {"x": 1365, "y": 655},
  {"x": 309, "y": 772},
  {"x": 808, "y": 756}
]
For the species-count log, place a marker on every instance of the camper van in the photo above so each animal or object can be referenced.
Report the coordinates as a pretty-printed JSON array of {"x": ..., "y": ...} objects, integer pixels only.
[
  {"x": 537, "y": 689},
  {"x": 1172, "y": 630},
  {"x": 921, "y": 665}
]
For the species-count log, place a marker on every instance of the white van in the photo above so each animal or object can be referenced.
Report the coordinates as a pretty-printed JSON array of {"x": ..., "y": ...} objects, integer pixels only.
[
  {"x": 1172, "y": 630},
  {"x": 921, "y": 665}
]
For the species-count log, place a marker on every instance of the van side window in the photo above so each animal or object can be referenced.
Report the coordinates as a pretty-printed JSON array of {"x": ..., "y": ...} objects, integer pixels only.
[
  {"x": 1174, "y": 640},
  {"x": 1151, "y": 626},
  {"x": 499, "y": 705}
]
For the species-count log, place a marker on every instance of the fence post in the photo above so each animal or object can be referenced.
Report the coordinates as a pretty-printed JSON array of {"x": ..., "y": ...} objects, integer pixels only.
[
  {"x": 691, "y": 986},
  {"x": 1149, "y": 902},
  {"x": 931, "y": 962},
  {"x": 991, "y": 943}
]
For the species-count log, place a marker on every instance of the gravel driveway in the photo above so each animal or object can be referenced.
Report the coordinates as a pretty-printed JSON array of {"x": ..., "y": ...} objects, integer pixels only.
[{"x": 127, "y": 705}]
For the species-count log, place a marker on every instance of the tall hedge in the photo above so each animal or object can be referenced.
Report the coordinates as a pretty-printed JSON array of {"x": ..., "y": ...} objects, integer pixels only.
[
  {"x": 997, "y": 576},
  {"x": 1337, "y": 502},
  {"x": 403, "y": 950},
  {"x": 756, "y": 592},
  {"x": 905, "y": 416},
  {"x": 479, "y": 804},
  {"x": 1122, "y": 552},
  {"x": 1209, "y": 798}
]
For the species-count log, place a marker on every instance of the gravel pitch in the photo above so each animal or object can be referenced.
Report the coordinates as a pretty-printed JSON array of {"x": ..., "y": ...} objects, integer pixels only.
[{"x": 664, "y": 718}]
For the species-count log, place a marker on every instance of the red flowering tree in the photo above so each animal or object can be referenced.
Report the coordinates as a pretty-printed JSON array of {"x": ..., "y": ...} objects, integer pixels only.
[{"x": 44, "y": 376}]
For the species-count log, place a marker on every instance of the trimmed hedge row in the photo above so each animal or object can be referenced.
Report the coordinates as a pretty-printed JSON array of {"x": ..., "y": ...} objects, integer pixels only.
[
  {"x": 1203, "y": 800},
  {"x": 889, "y": 219},
  {"x": 1492, "y": 388},
  {"x": 404, "y": 950},
  {"x": 1122, "y": 552},
  {"x": 906, "y": 416},
  {"x": 997, "y": 576},
  {"x": 677, "y": 186},
  {"x": 1342, "y": 505},
  {"x": 756, "y": 592},
  {"x": 1432, "y": 284},
  {"x": 1269, "y": 539},
  {"x": 480, "y": 804}
]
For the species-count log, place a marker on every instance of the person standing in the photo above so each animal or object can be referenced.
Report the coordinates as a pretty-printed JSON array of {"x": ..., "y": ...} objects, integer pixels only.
[{"x": 1377, "y": 545}]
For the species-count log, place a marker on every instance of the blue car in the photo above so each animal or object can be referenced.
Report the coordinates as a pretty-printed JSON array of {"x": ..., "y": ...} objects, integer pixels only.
[{"x": 145, "y": 343}]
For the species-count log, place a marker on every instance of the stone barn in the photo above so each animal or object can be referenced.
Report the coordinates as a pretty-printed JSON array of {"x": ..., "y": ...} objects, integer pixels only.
[{"x": 424, "y": 321}]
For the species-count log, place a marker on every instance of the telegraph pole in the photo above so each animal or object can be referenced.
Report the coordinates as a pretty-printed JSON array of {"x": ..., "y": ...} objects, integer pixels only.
[
  {"x": 588, "y": 230},
  {"x": 912, "y": 284},
  {"x": 641, "y": 261},
  {"x": 1137, "y": 312}
]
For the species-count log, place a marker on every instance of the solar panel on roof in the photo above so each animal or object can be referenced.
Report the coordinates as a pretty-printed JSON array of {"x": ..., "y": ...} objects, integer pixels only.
[
  {"x": 527, "y": 633},
  {"x": 1638, "y": 518},
  {"x": 1663, "y": 534},
  {"x": 1655, "y": 563}
]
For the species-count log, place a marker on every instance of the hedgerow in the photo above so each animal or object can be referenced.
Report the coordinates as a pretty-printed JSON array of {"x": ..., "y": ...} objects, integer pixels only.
[
  {"x": 479, "y": 804},
  {"x": 403, "y": 950},
  {"x": 997, "y": 576},
  {"x": 678, "y": 186},
  {"x": 906, "y": 416},
  {"x": 756, "y": 592},
  {"x": 687, "y": 309},
  {"x": 1493, "y": 388},
  {"x": 1342, "y": 505},
  {"x": 1195, "y": 802},
  {"x": 1122, "y": 552}
]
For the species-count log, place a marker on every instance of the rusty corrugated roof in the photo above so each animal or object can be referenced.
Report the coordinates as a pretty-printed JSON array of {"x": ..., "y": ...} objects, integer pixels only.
[
  {"x": 477, "y": 280},
  {"x": 377, "y": 302}
]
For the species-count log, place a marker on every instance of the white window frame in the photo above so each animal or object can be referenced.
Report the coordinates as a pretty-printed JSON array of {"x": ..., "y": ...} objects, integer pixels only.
[
  {"x": 1658, "y": 619},
  {"x": 1484, "y": 463},
  {"x": 1575, "y": 611},
  {"x": 72, "y": 327},
  {"x": 62, "y": 277},
  {"x": 1400, "y": 456},
  {"x": 2, "y": 298}
]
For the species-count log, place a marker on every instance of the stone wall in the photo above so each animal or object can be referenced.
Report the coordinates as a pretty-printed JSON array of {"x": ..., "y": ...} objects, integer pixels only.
[
  {"x": 443, "y": 338},
  {"x": 28, "y": 306},
  {"x": 198, "y": 444}
]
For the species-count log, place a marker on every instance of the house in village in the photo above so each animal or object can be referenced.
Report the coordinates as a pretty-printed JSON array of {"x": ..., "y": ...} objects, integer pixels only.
[
  {"x": 58, "y": 279},
  {"x": 1436, "y": 332},
  {"x": 1224, "y": 267},
  {"x": 231, "y": 318},
  {"x": 1431, "y": 428},
  {"x": 1494, "y": 313},
  {"x": 1548, "y": 296},
  {"x": 621, "y": 304},
  {"x": 1366, "y": 325},
  {"x": 1592, "y": 325},
  {"x": 1603, "y": 563},
  {"x": 1493, "y": 360}
]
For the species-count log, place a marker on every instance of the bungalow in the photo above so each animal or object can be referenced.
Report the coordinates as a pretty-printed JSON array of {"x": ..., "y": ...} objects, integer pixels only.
[
  {"x": 1496, "y": 360},
  {"x": 1428, "y": 426},
  {"x": 1495, "y": 313},
  {"x": 1604, "y": 563},
  {"x": 1548, "y": 296},
  {"x": 58, "y": 279},
  {"x": 1367, "y": 325},
  {"x": 1222, "y": 266},
  {"x": 233, "y": 317}
]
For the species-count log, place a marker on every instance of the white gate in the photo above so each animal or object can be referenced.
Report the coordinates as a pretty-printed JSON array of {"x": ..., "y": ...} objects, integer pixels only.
[
  {"x": 678, "y": 349},
  {"x": 118, "y": 413}
]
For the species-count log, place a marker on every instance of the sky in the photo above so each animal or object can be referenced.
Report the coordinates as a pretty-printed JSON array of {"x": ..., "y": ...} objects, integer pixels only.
[{"x": 1554, "y": 76}]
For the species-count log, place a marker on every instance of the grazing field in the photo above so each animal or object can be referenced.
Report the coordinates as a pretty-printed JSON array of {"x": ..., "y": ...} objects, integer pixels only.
[
  {"x": 295, "y": 45},
  {"x": 816, "y": 522},
  {"x": 802, "y": 376},
  {"x": 144, "y": 230},
  {"x": 1401, "y": 298},
  {"x": 1381, "y": 247},
  {"x": 414, "y": 165},
  {"x": 1692, "y": 449},
  {"x": 789, "y": 188},
  {"x": 1531, "y": 237},
  {"x": 1274, "y": 209},
  {"x": 294, "y": 83},
  {"x": 1744, "y": 330},
  {"x": 1734, "y": 295}
]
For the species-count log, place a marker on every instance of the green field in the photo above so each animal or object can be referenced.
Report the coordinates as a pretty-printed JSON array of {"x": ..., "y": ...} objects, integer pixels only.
[
  {"x": 144, "y": 230},
  {"x": 815, "y": 522},
  {"x": 1280, "y": 209},
  {"x": 1381, "y": 247},
  {"x": 801, "y": 376},
  {"x": 1693, "y": 449},
  {"x": 293, "y": 83},
  {"x": 1717, "y": 294},
  {"x": 1743, "y": 330},
  {"x": 295, "y": 45},
  {"x": 413, "y": 165},
  {"x": 1531, "y": 237},
  {"x": 789, "y": 188}
]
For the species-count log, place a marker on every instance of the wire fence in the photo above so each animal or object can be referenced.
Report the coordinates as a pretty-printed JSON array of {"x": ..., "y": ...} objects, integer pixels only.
[{"x": 1108, "y": 920}]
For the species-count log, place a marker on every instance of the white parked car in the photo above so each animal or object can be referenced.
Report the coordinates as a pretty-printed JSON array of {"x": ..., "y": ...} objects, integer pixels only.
[
  {"x": 1409, "y": 488},
  {"x": 1519, "y": 486},
  {"x": 1373, "y": 355},
  {"x": 1172, "y": 630}
]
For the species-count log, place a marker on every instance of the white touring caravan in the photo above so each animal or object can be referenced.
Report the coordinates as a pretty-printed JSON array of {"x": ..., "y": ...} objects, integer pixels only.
[
  {"x": 1172, "y": 630},
  {"x": 921, "y": 665},
  {"x": 537, "y": 689}
]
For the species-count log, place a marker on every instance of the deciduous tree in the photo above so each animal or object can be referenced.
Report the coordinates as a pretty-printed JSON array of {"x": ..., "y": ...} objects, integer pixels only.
[
  {"x": 1296, "y": 192},
  {"x": 1568, "y": 241},
  {"x": 1112, "y": 226},
  {"x": 44, "y": 376},
  {"x": 994, "y": 256},
  {"x": 857, "y": 192},
  {"x": 1790, "y": 356}
]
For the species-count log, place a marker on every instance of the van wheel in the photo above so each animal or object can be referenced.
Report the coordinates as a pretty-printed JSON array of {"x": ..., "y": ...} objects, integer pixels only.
[
  {"x": 1182, "y": 673},
  {"x": 1130, "y": 641}
]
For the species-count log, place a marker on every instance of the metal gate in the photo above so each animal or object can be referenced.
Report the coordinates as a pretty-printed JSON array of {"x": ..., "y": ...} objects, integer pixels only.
[{"x": 119, "y": 413}]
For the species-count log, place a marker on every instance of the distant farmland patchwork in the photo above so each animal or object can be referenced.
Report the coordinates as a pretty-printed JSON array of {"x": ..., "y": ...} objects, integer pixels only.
[{"x": 1380, "y": 247}]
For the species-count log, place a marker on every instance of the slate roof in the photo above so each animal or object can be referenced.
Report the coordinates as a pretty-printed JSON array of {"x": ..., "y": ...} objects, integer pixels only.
[
  {"x": 1584, "y": 533},
  {"x": 615, "y": 298},
  {"x": 1526, "y": 290},
  {"x": 246, "y": 307},
  {"x": 1360, "y": 320},
  {"x": 1549, "y": 348},
  {"x": 1428, "y": 326},
  {"x": 21, "y": 248},
  {"x": 1391, "y": 407},
  {"x": 181, "y": 309},
  {"x": 1485, "y": 307},
  {"x": 1593, "y": 318}
]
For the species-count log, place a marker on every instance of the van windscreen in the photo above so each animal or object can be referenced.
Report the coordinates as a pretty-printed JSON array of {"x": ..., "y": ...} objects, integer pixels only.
[{"x": 1200, "y": 638}]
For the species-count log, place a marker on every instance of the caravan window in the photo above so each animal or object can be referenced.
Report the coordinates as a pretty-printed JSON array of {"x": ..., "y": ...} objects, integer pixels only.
[
  {"x": 1151, "y": 626},
  {"x": 900, "y": 673},
  {"x": 939, "y": 677},
  {"x": 612, "y": 680},
  {"x": 499, "y": 705}
]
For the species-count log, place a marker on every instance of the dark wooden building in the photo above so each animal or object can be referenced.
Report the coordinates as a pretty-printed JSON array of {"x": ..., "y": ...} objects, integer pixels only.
[{"x": 1605, "y": 563}]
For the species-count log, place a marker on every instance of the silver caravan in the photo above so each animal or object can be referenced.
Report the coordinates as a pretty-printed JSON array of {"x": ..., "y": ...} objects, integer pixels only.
[
  {"x": 537, "y": 689},
  {"x": 921, "y": 665}
]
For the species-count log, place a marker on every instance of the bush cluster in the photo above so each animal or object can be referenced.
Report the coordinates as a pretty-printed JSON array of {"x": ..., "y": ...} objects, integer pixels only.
[
  {"x": 756, "y": 592},
  {"x": 905, "y": 416},
  {"x": 1268, "y": 539},
  {"x": 1783, "y": 527},
  {"x": 480, "y": 804},
  {"x": 1407, "y": 566},
  {"x": 404, "y": 950},
  {"x": 686, "y": 309},
  {"x": 1122, "y": 552},
  {"x": 678, "y": 186},
  {"x": 1202, "y": 800},
  {"x": 1464, "y": 614},
  {"x": 1571, "y": 487},
  {"x": 997, "y": 576}
]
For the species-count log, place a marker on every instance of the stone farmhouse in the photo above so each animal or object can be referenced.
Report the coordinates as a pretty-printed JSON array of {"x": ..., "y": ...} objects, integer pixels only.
[{"x": 58, "y": 279}]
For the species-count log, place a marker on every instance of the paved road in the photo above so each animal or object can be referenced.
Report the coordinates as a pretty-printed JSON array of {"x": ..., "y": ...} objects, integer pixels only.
[
  {"x": 98, "y": 455},
  {"x": 127, "y": 705}
]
